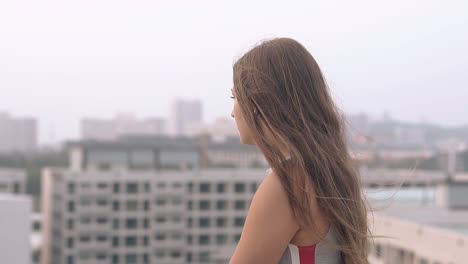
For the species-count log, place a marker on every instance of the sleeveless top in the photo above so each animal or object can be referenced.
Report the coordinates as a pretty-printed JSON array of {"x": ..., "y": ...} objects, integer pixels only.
[{"x": 320, "y": 253}]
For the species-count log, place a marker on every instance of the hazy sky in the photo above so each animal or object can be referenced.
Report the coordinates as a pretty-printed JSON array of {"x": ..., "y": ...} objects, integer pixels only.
[{"x": 63, "y": 60}]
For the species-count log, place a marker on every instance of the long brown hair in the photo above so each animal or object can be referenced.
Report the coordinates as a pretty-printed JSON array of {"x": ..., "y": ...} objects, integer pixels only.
[{"x": 284, "y": 98}]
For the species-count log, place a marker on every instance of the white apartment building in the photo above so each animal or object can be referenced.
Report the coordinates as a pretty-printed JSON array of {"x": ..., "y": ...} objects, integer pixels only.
[
  {"x": 133, "y": 202},
  {"x": 15, "y": 212}
]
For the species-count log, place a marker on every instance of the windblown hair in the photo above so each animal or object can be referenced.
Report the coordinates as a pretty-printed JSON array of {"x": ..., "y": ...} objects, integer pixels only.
[{"x": 285, "y": 99}]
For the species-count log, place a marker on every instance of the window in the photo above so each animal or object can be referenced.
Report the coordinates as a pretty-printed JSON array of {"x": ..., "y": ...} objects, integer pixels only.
[
  {"x": 116, "y": 206},
  {"x": 204, "y": 256},
  {"x": 204, "y": 187},
  {"x": 84, "y": 256},
  {"x": 71, "y": 188},
  {"x": 101, "y": 220},
  {"x": 145, "y": 240},
  {"x": 115, "y": 259},
  {"x": 85, "y": 220},
  {"x": 175, "y": 254},
  {"x": 16, "y": 187},
  {"x": 160, "y": 253},
  {"x": 238, "y": 221},
  {"x": 147, "y": 187},
  {"x": 116, "y": 187},
  {"x": 176, "y": 236},
  {"x": 131, "y": 223},
  {"x": 221, "y": 222},
  {"x": 101, "y": 256},
  {"x": 221, "y": 187},
  {"x": 115, "y": 223},
  {"x": 161, "y": 201},
  {"x": 142, "y": 159},
  {"x": 204, "y": 240},
  {"x": 101, "y": 238},
  {"x": 189, "y": 222},
  {"x": 131, "y": 259},
  {"x": 190, "y": 187},
  {"x": 102, "y": 202},
  {"x": 115, "y": 241},
  {"x": 130, "y": 241},
  {"x": 71, "y": 206},
  {"x": 84, "y": 238},
  {"x": 70, "y": 224},
  {"x": 221, "y": 239},
  {"x": 254, "y": 187},
  {"x": 189, "y": 239},
  {"x": 378, "y": 250},
  {"x": 70, "y": 260},
  {"x": 160, "y": 219},
  {"x": 204, "y": 205},
  {"x": 239, "y": 205},
  {"x": 190, "y": 205},
  {"x": 85, "y": 202},
  {"x": 221, "y": 205},
  {"x": 146, "y": 205},
  {"x": 132, "y": 205},
  {"x": 102, "y": 185},
  {"x": 204, "y": 222},
  {"x": 145, "y": 223},
  {"x": 176, "y": 201},
  {"x": 236, "y": 238},
  {"x": 160, "y": 236},
  {"x": 70, "y": 242},
  {"x": 132, "y": 187},
  {"x": 239, "y": 187}
]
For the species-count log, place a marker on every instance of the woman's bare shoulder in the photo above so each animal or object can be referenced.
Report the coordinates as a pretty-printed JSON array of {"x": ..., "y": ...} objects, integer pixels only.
[{"x": 269, "y": 226}]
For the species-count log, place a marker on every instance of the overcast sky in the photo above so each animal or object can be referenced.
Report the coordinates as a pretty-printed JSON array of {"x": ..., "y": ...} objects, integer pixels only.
[{"x": 64, "y": 60}]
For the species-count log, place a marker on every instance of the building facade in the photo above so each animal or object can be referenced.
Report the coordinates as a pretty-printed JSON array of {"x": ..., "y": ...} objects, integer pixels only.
[{"x": 17, "y": 134}]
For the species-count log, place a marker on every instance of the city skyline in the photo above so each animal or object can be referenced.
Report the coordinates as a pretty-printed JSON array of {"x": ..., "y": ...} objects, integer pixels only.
[{"x": 403, "y": 58}]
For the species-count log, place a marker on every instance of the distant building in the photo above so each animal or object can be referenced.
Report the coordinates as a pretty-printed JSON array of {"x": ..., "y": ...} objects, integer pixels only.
[
  {"x": 231, "y": 153},
  {"x": 121, "y": 125},
  {"x": 436, "y": 233},
  {"x": 186, "y": 117},
  {"x": 220, "y": 130},
  {"x": 12, "y": 181},
  {"x": 15, "y": 227},
  {"x": 17, "y": 134}
]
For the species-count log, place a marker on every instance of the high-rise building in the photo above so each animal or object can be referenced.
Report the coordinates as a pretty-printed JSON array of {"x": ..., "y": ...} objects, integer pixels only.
[
  {"x": 186, "y": 117},
  {"x": 15, "y": 227},
  {"x": 121, "y": 125},
  {"x": 17, "y": 134},
  {"x": 142, "y": 201}
]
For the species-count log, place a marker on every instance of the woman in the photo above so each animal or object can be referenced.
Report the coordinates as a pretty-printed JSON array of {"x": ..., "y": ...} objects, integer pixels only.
[{"x": 309, "y": 208}]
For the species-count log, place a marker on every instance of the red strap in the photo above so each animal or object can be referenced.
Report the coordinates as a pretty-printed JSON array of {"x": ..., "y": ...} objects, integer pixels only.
[{"x": 307, "y": 254}]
